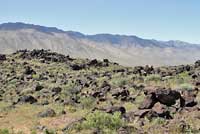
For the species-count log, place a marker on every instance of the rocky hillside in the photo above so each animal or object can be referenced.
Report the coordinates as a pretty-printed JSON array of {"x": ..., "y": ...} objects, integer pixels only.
[
  {"x": 126, "y": 50},
  {"x": 46, "y": 92}
]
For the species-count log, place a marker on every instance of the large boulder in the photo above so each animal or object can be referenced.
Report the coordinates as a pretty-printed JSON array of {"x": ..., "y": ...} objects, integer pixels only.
[{"x": 167, "y": 96}]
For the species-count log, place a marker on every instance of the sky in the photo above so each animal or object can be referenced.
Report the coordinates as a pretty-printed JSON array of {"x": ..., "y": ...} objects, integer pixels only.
[{"x": 149, "y": 19}]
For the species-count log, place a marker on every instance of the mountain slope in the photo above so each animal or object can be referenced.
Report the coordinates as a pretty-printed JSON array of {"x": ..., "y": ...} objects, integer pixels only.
[{"x": 126, "y": 50}]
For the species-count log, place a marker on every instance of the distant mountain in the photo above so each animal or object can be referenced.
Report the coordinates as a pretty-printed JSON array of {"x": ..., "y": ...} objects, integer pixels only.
[{"x": 126, "y": 50}]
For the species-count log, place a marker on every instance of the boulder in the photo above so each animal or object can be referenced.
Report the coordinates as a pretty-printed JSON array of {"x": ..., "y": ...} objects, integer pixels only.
[
  {"x": 161, "y": 111},
  {"x": 93, "y": 62},
  {"x": 142, "y": 113},
  {"x": 29, "y": 70},
  {"x": 106, "y": 60},
  {"x": 197, "y": 63},
  {"x": 2, "y": 57},
  {"x": 27, "y": 99},
  {"x": 189, "y": 97},
  {"x": 47, "y": 113},
  {"x": 56, "y": 90},
  {"x": 122, "y": 94},
  {"x": 114, "y": 109},
  {"x": 148, "y": 102},
  {"x": 167, "y": 96},
  {"x": 126, "y": 130},
  {"x": 38, "y": 87},
  {"x": 77, "y": 67}
]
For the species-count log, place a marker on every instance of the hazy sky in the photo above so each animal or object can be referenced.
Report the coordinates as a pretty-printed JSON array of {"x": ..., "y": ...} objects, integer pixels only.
[{"x": 158, "y": 19}]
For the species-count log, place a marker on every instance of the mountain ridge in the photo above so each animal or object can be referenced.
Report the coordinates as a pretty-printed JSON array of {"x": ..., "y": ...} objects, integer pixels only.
[
  {"x": 21, "y": 25},
  {"x": 124, "y": 49}
]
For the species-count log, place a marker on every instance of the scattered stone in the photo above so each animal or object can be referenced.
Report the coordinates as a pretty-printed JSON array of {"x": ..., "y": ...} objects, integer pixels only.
[
  {"x": 38, "y": 87},
  {"x": 47, "y": 113},
  {"x": 189, "y": 97},
  {"x": 149, "y": 101},
  {"x": 29, "y": 70},
  {"x": 2, "y": 57},
  {"x": 27, "y": 99},
  {"x": 56, "y": 90},
  {"x": 77, "y": 67}
]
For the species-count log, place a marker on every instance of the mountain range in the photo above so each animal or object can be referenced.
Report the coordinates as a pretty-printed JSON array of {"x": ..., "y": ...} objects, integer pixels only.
[{"x": 126, "y": 50}]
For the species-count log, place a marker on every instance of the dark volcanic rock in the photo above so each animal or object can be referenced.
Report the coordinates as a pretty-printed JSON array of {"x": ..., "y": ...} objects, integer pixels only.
[
  {"x": 113, "y": 109},
  {"x": 122, "y": 94},
  {"x": 47, "y": 113},
  {"x": 44, "y": 54},
  {"x": 38, "y": 87},
  {"x": 29, "y": 70},
  {"x": 197, "y": 63},
  {"x": 2, "y": 57},
  {"x": 161, "y": 111},
  {"x": 77, "y": 67},
  {"x": 27, "y": 99},
  {"x": 93, "y": 62},
  {"x": 56, "y": 90},
  {"x": 189, "y": 97},
  {"x": 167, "y": 96}
]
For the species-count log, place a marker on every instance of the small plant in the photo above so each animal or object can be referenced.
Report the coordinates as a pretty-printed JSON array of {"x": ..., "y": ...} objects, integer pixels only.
[
  {"x": 36, "y": 76},
  {"x": 4, "y": 131},
  {"x": 102, "y": 121},
  {"x": 50, "y": 131},
  {"x": 88, "y": 102},
  {"x": 155, "y": 78},
  {"x": 186, "y": 86},
  {"x": 120, "y": 81}
]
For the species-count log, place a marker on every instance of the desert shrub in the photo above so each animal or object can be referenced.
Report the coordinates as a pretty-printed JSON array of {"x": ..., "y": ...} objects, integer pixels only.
[
  {"x": 154, "y": 77},
  {"x": 36, "y": 76},
  {"x": 88, "y": 102},
  {"x": 186, "y": 86},
  {"x": 69, "y": 88},
  {"x": 120, "y": 81},
  {"x": 102, "y": 121},
  {"x": 4, "y": 131},
  {"x": 50, "y": 131}
]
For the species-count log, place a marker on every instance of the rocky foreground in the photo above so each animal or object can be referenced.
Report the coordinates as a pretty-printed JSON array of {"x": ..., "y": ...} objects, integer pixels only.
[{"x": 46, "y": 92}]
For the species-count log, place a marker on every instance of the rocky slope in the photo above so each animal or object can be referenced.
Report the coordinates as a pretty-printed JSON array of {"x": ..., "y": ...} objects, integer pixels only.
[
  {"x": 126, "y": 50},
  {"x": 42, "y": 91}
]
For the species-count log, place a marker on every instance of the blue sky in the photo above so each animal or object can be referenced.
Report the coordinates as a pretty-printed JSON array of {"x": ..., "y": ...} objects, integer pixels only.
[{"x": 157, "y": 19}]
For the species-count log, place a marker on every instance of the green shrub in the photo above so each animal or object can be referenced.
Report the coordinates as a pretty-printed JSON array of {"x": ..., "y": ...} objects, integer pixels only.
[
  {"x": 120, "y": 81},
  {"x": 102, "y": 121},
  {"x": 50, "y": 131},
  {"x": 36, "y": 76},
  {"x": 186, "y": 86},
  {"x": 4, "y": 131},
  {"x": 154, "y": 77},
  {"x": 88, "y": 102}
]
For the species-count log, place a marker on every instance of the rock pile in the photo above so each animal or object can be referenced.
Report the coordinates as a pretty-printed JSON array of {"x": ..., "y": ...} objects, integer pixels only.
[{"x": 161, "y": 102}]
